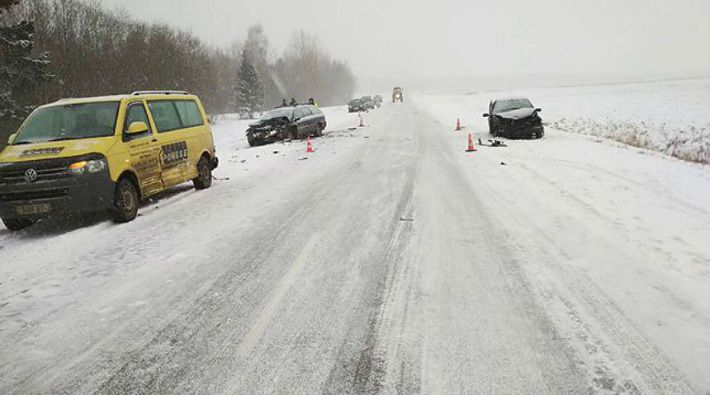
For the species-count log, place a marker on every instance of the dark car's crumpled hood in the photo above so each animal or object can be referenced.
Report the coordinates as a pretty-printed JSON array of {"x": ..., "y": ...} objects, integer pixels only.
[
  {"x": 520, "y": 113},
  {"x": 268, "y": 124}
]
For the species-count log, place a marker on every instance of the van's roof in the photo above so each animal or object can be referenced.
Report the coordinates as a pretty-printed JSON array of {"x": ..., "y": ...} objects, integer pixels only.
[{"x": 116, "y": 98}]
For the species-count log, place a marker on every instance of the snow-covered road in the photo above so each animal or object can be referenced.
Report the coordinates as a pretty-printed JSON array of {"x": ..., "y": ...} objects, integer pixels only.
[{"x": 389, "y": 261}]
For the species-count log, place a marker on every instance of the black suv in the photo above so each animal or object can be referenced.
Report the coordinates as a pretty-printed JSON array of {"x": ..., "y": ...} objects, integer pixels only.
[
  {"x": 356, "y": 105},
  {"x": 287, "y": 123},
  {"x": 514, "y": 118}
]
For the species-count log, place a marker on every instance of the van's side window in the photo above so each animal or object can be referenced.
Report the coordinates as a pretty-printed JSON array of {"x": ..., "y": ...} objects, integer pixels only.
[
  {"x": 165, "y": 115},
  {"x": 136, "y": 113},
  {"x": 190, "y": 115}
]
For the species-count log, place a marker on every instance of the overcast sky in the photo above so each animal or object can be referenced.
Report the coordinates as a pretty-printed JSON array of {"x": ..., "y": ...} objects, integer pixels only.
[{"x": 411, "y": 39}]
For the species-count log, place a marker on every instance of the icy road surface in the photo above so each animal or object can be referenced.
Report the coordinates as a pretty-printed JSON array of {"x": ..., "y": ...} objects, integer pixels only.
[{"x": 389, "y": 261}]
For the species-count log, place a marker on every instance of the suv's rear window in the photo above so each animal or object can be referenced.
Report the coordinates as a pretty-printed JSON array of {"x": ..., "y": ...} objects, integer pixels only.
[
  {"x": 69, "y": 122},
  {"x": 175, "y": 114}
]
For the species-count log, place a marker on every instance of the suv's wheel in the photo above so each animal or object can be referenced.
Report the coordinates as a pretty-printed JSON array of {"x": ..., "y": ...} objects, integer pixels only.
[
  {"x": 15, "y": 224},
  {"x": 319, "y": 130},
  {"x": 251, "y": 141},
  {"x": 204, "y": 177},
  {"x": 125, "y": 201}
]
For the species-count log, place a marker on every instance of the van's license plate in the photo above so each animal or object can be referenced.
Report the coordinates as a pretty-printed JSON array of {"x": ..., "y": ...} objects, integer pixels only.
[{"x": 34, "y": 209}]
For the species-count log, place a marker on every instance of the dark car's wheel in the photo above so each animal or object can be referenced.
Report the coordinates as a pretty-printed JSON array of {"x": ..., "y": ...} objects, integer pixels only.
[
  {"x": 251, "y": 141},
  {"x": 319, "y": 130},
  {"x": 16, "y": 224},
  {"x": 125, "y": 201},
  {"x": 204, "y": 177}
]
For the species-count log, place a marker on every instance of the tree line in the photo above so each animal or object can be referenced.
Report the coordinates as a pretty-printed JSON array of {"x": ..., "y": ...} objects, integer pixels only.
[{"x": 51, "y": 49}]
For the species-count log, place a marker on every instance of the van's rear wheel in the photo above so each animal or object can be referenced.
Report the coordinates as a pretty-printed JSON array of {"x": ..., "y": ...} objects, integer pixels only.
[
  {"x": 15, "y": 224},
  {"x": 125, "y": 202},
  {"x": 204, "y": 178}
]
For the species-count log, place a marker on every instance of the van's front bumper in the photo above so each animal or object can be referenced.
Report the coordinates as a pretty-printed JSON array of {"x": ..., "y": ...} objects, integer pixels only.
[{"x": 62, "y": 195}]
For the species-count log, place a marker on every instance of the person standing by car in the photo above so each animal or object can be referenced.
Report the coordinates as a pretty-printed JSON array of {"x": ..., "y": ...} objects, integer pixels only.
[
  {"x": 293, "y": 102},
  {"x": 284, "y": 103}
]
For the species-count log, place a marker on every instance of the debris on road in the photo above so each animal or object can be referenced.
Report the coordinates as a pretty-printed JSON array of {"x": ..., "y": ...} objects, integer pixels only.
[{"x": 492, "y": 143}]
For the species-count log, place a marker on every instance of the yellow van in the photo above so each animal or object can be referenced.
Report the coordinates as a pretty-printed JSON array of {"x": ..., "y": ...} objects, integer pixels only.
[{"x": 104, "y": 153}]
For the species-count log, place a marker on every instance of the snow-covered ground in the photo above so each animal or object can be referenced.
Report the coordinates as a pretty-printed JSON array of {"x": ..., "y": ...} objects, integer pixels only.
[
  {"x": 668, "y": 117},
  {"x": 628, "y": 225},
  {"x": 389, "y": 261}
]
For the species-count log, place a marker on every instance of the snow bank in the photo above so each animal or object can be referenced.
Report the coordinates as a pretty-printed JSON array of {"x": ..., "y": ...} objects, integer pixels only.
[{"x": 673, "y": 118}]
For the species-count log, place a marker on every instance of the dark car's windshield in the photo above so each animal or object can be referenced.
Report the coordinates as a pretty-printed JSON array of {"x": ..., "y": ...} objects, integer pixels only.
[
  {"x": 510, "y": 105},
  {"x": 356, "y": 101},
  {"x": 277, "y": 113},
  {"x": 69, "y": 122}
]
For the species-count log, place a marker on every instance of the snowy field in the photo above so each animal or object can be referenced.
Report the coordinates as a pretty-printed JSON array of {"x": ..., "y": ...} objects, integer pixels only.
[
  {"x": 668, "y": 117},
  {"x": 389, "y": 260}
]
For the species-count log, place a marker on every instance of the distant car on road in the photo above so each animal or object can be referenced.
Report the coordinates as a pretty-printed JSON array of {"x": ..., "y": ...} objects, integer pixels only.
[
  {"x": 378, "y": 100},
  {"x": 356, "y": 105},
  {"x": 369, "y": 102},
  {"x": 287, "y": 123},
  {"x": 397, "y": 95},
  {"x": 514, "y": 118}
]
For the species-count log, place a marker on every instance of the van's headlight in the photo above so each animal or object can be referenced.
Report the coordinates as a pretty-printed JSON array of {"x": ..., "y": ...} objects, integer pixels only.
[{"x": 88, "y": 166}]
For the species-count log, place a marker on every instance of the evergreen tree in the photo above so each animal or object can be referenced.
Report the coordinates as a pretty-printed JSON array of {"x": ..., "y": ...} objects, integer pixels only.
[
  {"x": 249, "y": 90},
  {"x": 20, "y": 68}
]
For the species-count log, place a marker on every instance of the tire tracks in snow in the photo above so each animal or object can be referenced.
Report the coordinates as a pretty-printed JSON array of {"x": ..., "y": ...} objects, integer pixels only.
[
  {"x": 363, "y": 371},
  {"x": 615, "y": 354}
]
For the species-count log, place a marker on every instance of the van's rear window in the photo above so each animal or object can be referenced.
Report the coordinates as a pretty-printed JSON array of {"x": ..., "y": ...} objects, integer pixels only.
[{"x": 69, "y": 122}]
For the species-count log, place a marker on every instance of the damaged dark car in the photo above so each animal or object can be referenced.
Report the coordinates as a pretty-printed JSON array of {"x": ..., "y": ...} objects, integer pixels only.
[
  {"x": 287, "y": 123},
  {"x": 514, "y": 118}
]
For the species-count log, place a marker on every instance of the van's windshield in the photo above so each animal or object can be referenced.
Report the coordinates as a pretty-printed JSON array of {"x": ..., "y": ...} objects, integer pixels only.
[{"x": 69, "y": 122}]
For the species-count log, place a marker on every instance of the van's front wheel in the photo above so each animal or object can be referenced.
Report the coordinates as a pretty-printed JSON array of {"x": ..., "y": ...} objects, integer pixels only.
[
  {"x": 204, "y": 177},
  {"x": 16, "y": 224},
  {"x": 125, "y": 202}
]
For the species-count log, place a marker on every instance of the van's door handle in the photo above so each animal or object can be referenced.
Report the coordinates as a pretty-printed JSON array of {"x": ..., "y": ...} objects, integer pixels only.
[{"x": 154, "y": 140}]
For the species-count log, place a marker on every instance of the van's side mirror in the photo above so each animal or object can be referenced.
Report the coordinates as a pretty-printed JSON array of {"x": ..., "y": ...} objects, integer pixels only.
[
  {"x": 11, "y": 139},
  {"x": 137, "y": 128},
  {"x": 538, "y": 110},
  {"x": 486, "y": 115}
]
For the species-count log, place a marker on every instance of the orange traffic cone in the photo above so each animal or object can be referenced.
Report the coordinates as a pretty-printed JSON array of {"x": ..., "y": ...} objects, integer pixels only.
[
  {"x": 362, "y": 123},
  {"x": 309, "y": 147},
  {"x": 458, "y": 125},
  {"x": 471, "y": 147}
]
